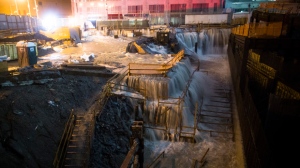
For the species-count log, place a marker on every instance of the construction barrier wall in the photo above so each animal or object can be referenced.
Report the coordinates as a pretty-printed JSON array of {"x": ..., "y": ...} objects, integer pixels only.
[
  {"x": 286, "y": 92},
  {"x": 17, "y": 24},
  {"x": 272, "y": 29},
  {"x": 268, "y": 106},
  {"x": 10, "y": 50},
  {"x": 279, "y": 7}
]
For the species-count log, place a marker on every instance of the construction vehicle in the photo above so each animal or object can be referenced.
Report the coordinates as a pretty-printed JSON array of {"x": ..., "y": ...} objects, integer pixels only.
[{"x": 72, "y": 34}]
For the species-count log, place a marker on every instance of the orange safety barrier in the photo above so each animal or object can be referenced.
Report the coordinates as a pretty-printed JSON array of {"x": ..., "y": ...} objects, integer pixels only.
[
  {"x": 272, "y": 29},
  {"x": 279, "y": 7},
  {"x": 154, "y": 69},
  {"x": 284, "y": 91}
]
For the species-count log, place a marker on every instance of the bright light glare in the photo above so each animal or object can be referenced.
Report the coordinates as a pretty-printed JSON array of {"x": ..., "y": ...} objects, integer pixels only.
[
  {"x": 49, "y": 22},
  {"x": 100, "y": 4},
  {"x": 72, "y": 22}
]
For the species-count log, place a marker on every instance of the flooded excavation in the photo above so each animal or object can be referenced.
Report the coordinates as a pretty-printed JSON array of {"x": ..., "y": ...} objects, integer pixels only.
[
  {"x": 177, "y": 111},
  {"x": 156, "y": 85}
]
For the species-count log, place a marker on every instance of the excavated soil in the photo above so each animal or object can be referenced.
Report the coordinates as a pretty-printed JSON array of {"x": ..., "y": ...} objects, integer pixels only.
[
  {"x": 32, "y": 117},
  {"x": 35, "y": 106},
  {"x": 112, "y": 134}
]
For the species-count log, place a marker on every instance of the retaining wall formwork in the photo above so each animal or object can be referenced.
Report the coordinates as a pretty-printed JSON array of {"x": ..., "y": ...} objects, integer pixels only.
[{"x": 264, "y": 75}]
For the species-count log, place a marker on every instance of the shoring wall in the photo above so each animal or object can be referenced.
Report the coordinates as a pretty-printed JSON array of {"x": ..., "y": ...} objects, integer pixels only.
[{"x": 266, "y": 121}]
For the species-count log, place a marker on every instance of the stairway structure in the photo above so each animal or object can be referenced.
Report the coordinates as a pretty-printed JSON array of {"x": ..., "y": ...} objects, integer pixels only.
[
  {"x": 78, "y": 149},
  {"x": 216, "y": 115}
]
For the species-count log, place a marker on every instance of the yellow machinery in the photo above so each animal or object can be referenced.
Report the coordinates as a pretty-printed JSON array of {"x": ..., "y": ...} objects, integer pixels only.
[
  {"x": 61, "y": 33},
  {"x": 139, "y": 48},
  {"x": 64, "y": 34}
]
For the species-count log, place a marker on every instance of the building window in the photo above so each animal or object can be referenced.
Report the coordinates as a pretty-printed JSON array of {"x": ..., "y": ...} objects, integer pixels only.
[
  {"x": 89, "y": 10},
  {"x": 114, "y": 10},
  {"x": 93, "y": 10},
  {"x": 115, "y": 16},
  {"x": 156, "y": 8},
  {"x": 215, "y": 7},
  {"x": 200, "y": 7},
  {"x": 178, "y": 7},
  {"x": 135, "y": 9}
]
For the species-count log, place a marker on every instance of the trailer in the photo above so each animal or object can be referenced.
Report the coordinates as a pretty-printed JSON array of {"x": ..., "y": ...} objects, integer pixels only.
[{"x": 207, "y": 19}]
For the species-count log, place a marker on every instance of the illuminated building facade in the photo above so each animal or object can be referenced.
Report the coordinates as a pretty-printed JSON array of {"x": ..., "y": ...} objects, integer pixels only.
[
  {"x": 244, "y": 5},
  {"x": 58, "y": 8},
  {"x": 157, "y": 11},
  {"x": 39, "y": 8}
]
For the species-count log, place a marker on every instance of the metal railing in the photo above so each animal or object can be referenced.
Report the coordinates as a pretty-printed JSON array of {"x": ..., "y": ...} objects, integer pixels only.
[
  {"x": 130, "y": 155},
  {"x": 154, "y": 69},
  {"x": 61, "y": 151},
  {"x": 69, "y": 127},
  {"x": 178, "y": 101},
  {"x": 183, "y": 94},
  {"x": 201, "y": 161},
  {"x": 115, "y": 83},
  {"x": 162, "y": 154},
  {"x": 133, "y": 68}
]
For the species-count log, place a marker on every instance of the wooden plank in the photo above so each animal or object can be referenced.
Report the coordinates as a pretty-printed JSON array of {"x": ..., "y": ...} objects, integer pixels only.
[{"x": 147, "y": 72}]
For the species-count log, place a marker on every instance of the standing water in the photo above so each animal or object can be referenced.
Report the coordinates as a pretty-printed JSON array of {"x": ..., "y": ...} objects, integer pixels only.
[
  {"x": 182, "y": 113},
  {"x": 190, "y": 93}
]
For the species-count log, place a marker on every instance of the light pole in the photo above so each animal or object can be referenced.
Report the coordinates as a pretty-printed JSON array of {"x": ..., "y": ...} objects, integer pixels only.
[
  {"x": 106, "y": 9},
  {"x": 17, "y": 10},
  {"x": 29, "y": 13},
  {"x": 36, "y": 9},
  {"x": 28, "y": 5},
  {"x": 180, "y": 8},
  {"x": 11, "y": 11},
  {"x": 37, "y": 16}
]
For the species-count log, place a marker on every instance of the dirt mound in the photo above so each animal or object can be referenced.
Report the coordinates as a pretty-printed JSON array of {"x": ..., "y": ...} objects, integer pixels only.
[
  {"x": 112, "y": 134},
  {"x": 33, "y": 117}
]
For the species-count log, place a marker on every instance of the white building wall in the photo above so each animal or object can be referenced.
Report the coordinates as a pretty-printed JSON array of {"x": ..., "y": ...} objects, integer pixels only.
[{"x": 99, "y": 9}]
